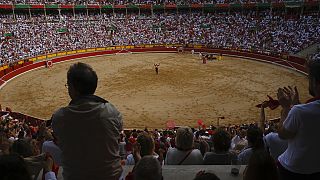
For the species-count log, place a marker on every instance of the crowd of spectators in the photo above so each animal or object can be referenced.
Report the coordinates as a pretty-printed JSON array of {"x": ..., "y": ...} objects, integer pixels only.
[
  {"x": 210, "y": 146},
  {"x": 122, "y": 2},
  {"x": 260, "y": 32},
  {"x": 149, "y": 150}
]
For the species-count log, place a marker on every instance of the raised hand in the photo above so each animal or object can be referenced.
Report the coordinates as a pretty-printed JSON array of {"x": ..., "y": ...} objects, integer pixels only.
[
  {"x": 295, "y": 98},
  {"x": 293, "y": 93},
  {"x": 265, "y": 104},
  {"x": 284, "y": 97}
]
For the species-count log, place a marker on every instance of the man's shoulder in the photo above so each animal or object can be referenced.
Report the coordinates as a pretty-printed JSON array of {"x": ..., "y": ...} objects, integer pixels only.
[
  {"x": 195, "y": 153},
  {"x": 314, "y": 104},
  {"x": 271, "y": 135},
  {"x": 305, "y": 108},
  {"x": 58, "y": 113},
  {"x": 245, "y": 152},
  {"x": 109, "y": 105},
  {"x": 110, "y": 109},
  {"x": 46, "y": 143},
  {"x": 172, "y": 149}
]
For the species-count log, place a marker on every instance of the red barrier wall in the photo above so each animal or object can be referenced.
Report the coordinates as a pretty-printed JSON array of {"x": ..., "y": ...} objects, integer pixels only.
[{"x": 292, "y": 62}]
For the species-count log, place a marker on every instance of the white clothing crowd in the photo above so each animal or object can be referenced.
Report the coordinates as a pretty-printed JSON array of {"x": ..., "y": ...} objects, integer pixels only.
[{"x": 23, "y": 37}]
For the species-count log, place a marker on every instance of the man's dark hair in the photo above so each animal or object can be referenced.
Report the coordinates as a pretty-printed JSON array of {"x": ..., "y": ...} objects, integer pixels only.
[
  {"x": 146, "y": 143},
  {"x": 221, "y": 141},
  {"x": 313, "y": 66},
  {"x": 83, "y": 78},
  {"x": 206, "y": 176},
  {"x": 255, "y": 137},
  {"x": 22, "y": 147},
  {"x": 148, "y": 168},
  {"x": 261, "y": 166}
]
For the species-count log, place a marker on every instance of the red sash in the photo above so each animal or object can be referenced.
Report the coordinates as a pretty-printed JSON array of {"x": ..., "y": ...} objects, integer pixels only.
[{"x": 313, "y": 99}]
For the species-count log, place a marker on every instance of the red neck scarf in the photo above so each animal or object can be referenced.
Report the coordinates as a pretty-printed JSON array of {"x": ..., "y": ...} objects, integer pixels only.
[{"x": 313, "y": 99}]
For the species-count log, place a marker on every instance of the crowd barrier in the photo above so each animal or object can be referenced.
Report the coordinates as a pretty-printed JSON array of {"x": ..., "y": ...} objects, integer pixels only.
[{"x": 9, "y": 72}]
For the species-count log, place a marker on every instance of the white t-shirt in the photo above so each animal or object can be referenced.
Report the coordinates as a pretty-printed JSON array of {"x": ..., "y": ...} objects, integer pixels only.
[
  {"x": 303, "y": 152},
  {"x": 174, "y": 156},
  {"x": 50, "y": 176},
  {"x": 275, "y": 145},
  {"x": 244, "y": 156},
  {"x": 237, "y": 140},
  {"x": 53, "y": 150}
]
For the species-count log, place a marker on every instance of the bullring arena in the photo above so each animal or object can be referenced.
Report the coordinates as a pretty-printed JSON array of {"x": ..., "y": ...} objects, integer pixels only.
[
  {"x": 184, "y": 91},
  {"x": 164, "y": 64}
]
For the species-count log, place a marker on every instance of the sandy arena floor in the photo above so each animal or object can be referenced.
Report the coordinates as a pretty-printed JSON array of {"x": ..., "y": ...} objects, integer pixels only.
[{"x": 184, "y": 91}]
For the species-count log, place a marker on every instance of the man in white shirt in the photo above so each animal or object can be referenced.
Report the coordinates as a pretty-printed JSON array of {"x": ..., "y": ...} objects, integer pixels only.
[
  {"x": 239, "y": 141},
  {"x": 275, "y": 145},
  {"x": 300, "y": 126}
]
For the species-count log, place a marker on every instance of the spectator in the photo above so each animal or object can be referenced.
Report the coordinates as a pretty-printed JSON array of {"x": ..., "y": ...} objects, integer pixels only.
[
  {"x": 261, "y": 166},
  {"x": 52, "y": 148},
  {"x": 274, "y": 145},
  {"x": 183, "y": 153},
  {"x": 202, "y": 175},
  {"x": 300, "y": 126},
  {"x": 122, "y": 147},
  {"x": 239, "y": 141},
  {"x": 47, "y": 169},
  {"x": 146, "y": 147},
  {"x": 221, "y": 154},
  {"x": 255, "y": 142},
  {"x": 13, "y": 167},
  {"x": 203, "y": 147},
  {"x": 260, "y": 32},
  {"x": 22, "y": 147},
  {"x": 148, "y": 168},
  {"x": 88, "y": 129},
  {"x": 4, "y": 145},
  {"x": 35, "y": 164}
]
